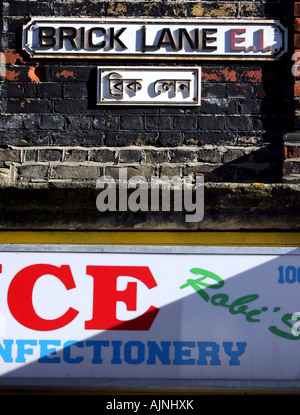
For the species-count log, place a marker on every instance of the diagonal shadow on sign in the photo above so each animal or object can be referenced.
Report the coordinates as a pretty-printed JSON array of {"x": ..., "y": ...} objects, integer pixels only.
[{"x": 221, "y": 327}]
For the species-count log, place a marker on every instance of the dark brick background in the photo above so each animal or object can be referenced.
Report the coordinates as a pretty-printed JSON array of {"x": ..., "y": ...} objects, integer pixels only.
[{"x": 51, "y": 129}]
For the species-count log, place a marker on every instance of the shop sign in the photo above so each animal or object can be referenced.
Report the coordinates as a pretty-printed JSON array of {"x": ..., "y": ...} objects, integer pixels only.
[
  {"x": 148, "y": 86},
  {"x": 155, "y": 38},
  {"x": 149, "y": 315}
]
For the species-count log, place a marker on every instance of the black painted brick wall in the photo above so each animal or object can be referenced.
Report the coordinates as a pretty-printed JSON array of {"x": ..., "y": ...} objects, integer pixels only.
[{"x": 52, "y": 130}]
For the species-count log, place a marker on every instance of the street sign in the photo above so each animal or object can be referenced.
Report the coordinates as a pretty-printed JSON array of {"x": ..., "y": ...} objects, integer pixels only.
[
  {"x": 148, "y": 86},
  {"x": 155, "y": 38}
]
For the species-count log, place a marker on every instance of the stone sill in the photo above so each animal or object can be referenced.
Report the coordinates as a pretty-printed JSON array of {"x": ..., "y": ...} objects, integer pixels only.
[{"x": 72, "y": 206}]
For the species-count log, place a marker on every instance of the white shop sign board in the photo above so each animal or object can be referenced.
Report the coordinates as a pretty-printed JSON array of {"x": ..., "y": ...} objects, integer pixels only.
[
  {"x": 129, "y": 38},
  {"x": 172, "y": 315}
]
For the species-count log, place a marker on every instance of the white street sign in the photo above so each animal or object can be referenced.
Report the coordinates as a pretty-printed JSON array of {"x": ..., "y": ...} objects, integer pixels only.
[
  {"x": 155, "y": 38},
  {"x": 149, "y": 86}
]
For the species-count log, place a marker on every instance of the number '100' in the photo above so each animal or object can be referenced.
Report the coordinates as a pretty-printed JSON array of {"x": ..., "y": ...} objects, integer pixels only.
[{"x": 289, "y": 274}]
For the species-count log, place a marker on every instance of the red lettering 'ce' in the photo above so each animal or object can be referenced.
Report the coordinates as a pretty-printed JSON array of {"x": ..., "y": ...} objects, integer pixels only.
[
  {"x": 20, "y": 291},
  {"x": 105, "y": 297}
]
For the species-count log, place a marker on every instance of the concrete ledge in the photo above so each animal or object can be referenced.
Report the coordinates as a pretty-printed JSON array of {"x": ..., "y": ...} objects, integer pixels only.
[{"x": 72, "y": 206}]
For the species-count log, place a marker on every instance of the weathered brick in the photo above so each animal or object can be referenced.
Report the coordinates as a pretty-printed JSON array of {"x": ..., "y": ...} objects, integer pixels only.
[
  {"x": 293, "y": 137},
  {"x": 20, "y": 8},
  {"x": 217, "y": 74},
  {"x": 297, "y": 90},
  {"x": 241, "y": 90},
  {"x": 291, "y": 151},
  {"x": 52, "y": 122},
  {"x": 232, "y": 154},
  {"x": 79, "y": 9},
  {"x": 121, "y": 138},
  {"x": 78, "y": 122},
  {"x": 33, "y": 172},
  {"x": 170, "y": 138},
  {"x": 71, "y": 73},
  {"x": 76, "y": 172},
  {"x": 297, "y": 9},
  {"x": 12, "y": 57},
  {"x": 14, "y": 23},
  {"x": 218, "y": 106},
  {"x": 250, "y": 107},
  {"x": 204, "y": 137},
  {"x": 169, "y": 171},
  {"x": 297, "y": 40},
  {"x": 182, "y": 156},
  {"x": 130, "y": 156},
  {"x": 9, "y": 40},
  {"x": 259, "y": 91},
  {"x": 296, "y": 71},
  {"x": 252, "y": 10},
  {"x": 17, "y": 73},
  {"x": 71, "y": 106},
  {"x": 133, "y": 9},
  {"x": 31, "y": 122},
  {"x": 50, "y": 90},
  {"x": 7, "y": 154},
  {"x": 75, "y": 155},
  {"x": 78, "y": 90},
  {"x": 77, "y": 138},
  {"x": 208, "y": 122},
  {"x": 105, "y": 122},
  {"x": 13, "y": 90},
  {"x": 252, "y": 75},
  {"x": 145, "y": 171},
  {"x": 256, "y": 123},
  {"x": 238, "y": 123},
  {"x": 30, "y": 155},
  {"x": 11, "y": 122},
  {"x": 30, "y": 90},
  {"x": 185, "y": 122},
  {"x": 131, "y": 123},
  {"x": 156, "y": 156},
  {"x": 202, "y": 169},
  {"x": 145, "y": 138},
  {"x": 297, "y": 24},
  {"x": 291, "y": 166},
  {"x": 18, "y": 106},
  {"x": 214, "y": 90},
  {"x": 207, "y": 9},
  {"x": 158, "y": 122},
  {"x": 49, "y": 155},
  {"x": 211, "y": 154},
  {"x": 102, "y": 155},
  {"x": 5, "y": 174},
  {"x": 173, "y": 10}
]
